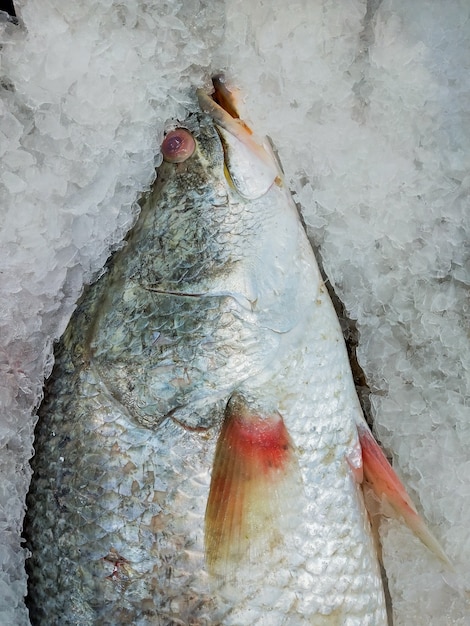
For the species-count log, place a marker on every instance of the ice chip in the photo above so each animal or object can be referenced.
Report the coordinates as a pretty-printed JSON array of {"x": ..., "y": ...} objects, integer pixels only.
[{"x": 368, "y": 100}]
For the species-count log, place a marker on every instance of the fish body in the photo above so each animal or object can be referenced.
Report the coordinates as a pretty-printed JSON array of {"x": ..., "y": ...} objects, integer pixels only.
[{"x": 213, "y": 310}]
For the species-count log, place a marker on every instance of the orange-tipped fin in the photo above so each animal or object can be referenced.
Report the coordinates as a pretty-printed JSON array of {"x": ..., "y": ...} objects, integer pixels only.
[
  {"x": 254, "y": 479},
  {"x": 381, "y": 478}
]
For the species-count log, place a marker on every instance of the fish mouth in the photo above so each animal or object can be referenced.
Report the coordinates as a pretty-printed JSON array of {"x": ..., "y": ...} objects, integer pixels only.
[
  {"x": 251, "y": 167},
  {"x": 225, "y": 97},
  {"x": 221, "y": 106}
]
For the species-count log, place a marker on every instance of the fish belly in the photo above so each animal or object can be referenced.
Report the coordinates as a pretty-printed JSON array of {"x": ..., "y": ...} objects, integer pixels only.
[{"x": 326, "y": 572}]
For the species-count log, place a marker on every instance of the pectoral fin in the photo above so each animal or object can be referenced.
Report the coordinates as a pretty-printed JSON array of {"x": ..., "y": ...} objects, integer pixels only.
[
  {"x": 381, "y": 478},
  {"x": 255, "y": 479}
]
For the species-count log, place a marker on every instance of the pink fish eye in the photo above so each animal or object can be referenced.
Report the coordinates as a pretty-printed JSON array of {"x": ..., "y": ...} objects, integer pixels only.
[{"x": 178, "y": 145}]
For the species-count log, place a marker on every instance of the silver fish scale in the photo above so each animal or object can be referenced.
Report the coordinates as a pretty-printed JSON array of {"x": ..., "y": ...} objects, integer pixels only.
[
  {"x": 111, "y": 528},
  {"x": 211, "y": 294}
]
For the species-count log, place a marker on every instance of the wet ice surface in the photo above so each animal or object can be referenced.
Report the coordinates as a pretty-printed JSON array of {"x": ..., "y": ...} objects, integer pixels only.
[{"x": 367, "y": 110}]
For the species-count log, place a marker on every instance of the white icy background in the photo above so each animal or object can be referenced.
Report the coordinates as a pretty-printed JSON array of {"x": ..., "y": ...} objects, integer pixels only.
[{"x": 368, "y": 107}]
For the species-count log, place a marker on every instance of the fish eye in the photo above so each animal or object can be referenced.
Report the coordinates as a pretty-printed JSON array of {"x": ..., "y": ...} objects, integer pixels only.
[{"x": 178, "y": 145}]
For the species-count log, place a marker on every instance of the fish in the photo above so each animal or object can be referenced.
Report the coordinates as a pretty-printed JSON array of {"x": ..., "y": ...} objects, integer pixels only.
[{"x": 201, "y": 451}]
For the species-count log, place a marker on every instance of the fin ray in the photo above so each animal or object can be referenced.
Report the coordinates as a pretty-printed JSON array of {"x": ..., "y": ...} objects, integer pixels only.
[
  {"x": 254, "y": 479},
  {"x": 382, "y": 479}
]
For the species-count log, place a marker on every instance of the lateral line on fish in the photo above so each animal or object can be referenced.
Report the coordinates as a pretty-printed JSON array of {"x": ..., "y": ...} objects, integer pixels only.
[{"x": 239, "y": 297}]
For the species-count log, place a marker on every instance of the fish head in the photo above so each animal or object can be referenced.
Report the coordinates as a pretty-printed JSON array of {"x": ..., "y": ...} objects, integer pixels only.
[
  {"x": 216, "y": 146},
  {"x": 212, "y": 209}
]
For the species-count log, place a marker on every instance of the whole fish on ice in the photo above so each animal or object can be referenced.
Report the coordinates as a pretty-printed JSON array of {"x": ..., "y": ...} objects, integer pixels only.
[{"x": 201, "y": 445}]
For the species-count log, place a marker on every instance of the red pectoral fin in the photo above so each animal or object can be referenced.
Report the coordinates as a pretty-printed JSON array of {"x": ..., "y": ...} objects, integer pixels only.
[
  {"x": 254, "y": 479},
  {"x": 384, "y": 482}
]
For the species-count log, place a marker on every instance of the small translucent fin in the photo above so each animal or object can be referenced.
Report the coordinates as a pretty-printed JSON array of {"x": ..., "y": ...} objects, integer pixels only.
[
  {"x": 381, "y": 478},
  {"x": 255, "y": 481}
]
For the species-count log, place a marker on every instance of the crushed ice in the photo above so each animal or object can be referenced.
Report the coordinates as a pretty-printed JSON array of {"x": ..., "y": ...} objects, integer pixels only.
[{"x": 366, "y": 104}]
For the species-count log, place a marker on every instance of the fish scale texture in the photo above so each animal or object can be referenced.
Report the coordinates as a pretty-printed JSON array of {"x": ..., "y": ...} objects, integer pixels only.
[{"x": 127, "y": 432}]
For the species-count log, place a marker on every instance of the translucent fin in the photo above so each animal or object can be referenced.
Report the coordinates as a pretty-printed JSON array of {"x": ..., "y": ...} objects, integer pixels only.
[
  {"x": 380, "y": 477},
  {"x": 254, "y": 486}
]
